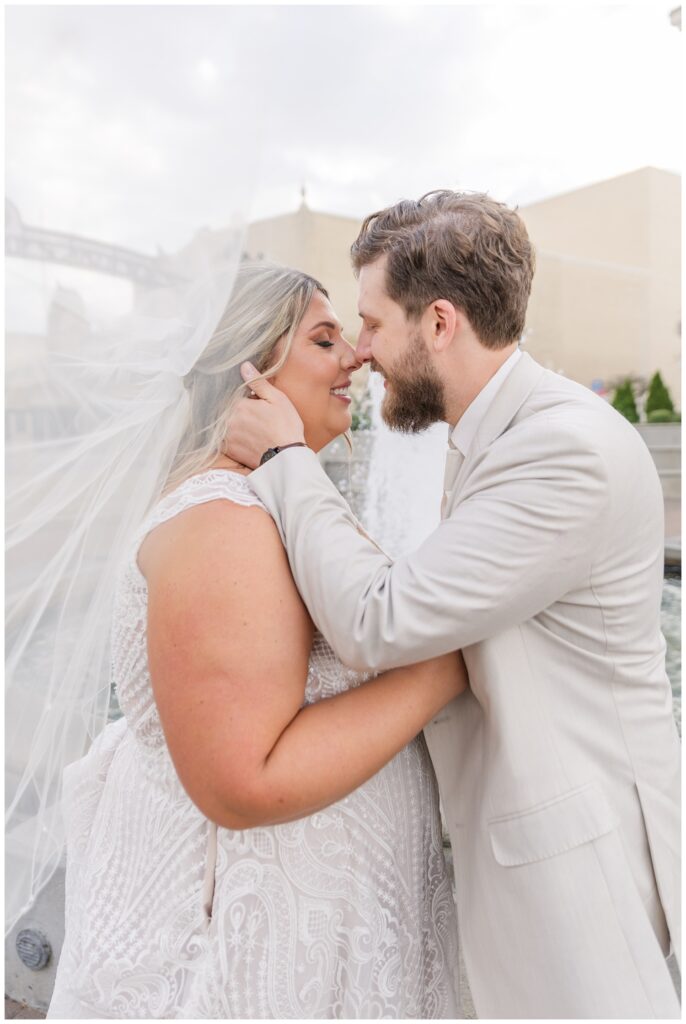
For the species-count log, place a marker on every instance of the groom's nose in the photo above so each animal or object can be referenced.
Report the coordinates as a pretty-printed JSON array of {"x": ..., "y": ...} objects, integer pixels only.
[{"x": 363, "y": 350}]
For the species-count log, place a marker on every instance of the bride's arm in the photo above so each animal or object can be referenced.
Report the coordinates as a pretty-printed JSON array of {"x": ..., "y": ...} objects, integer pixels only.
[{"x": 228, "y": 648}]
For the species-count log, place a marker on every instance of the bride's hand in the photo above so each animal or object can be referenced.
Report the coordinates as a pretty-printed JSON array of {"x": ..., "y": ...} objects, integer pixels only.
[{"x": 270, "y": 422}]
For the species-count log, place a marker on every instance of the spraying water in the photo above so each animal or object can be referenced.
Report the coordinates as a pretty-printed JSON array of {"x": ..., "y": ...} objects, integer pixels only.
[{"x": 405, "y": 481}]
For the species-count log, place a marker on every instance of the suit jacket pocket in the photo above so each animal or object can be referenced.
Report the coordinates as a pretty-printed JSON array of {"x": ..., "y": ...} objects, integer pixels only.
[{"x": 558, "y": 825}]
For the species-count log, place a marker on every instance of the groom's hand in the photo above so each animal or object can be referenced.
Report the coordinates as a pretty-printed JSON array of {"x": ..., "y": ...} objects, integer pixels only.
[{"x": 268, "y": 420}]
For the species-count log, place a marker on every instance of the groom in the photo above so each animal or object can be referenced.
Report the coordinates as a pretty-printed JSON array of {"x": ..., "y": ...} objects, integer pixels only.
[{"x": 559, "y": 768}]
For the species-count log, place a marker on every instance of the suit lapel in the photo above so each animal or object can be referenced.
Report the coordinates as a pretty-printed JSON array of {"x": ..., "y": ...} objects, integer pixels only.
[
  {"x": 505, "y": 405},
  {"x": 453, "y": 464},
  {"x": 508, "y": 401}
]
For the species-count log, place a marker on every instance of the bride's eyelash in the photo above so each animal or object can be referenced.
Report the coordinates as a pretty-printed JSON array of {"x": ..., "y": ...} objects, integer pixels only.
[{"x": 324, "y": 344}]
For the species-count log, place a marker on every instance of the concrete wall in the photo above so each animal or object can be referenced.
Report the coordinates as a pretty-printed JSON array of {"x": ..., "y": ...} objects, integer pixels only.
[
  {"x": 664, "y": 443},
  {"x": 47, "y": 917}
]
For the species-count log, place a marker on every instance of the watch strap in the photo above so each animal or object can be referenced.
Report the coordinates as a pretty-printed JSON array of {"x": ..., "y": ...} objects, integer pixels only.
[{"x": 271, "y": 452}]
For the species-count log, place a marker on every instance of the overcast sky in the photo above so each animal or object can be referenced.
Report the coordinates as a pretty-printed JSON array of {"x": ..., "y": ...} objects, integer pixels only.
[{"x": 139, "y": 124}]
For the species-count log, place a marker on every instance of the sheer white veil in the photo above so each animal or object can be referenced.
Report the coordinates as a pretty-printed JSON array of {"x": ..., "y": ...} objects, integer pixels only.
[
  {"x": 74, "y": 503},
  {"x": 108, "y": 406}
]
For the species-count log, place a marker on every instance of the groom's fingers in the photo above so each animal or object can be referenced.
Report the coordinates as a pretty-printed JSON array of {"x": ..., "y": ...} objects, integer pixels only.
[
  {"x": 261, "y": 388},
  {"x": 256, "y": 426}
]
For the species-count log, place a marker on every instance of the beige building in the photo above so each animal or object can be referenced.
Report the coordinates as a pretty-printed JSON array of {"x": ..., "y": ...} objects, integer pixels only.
[
  {"x": 606, "y": 295},
  {"x": 319, "y": 244}
]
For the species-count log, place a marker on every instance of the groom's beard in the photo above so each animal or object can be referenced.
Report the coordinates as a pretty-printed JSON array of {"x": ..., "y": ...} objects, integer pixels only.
[{"x": 415, "y": 396}]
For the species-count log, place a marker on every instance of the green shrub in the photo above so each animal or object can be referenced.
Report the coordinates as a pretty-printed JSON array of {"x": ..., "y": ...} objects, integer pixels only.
[
  {"x": 659, "y": 398},
  {"x": 625, "y": 402},
  {"x": 662, "y": 416}
]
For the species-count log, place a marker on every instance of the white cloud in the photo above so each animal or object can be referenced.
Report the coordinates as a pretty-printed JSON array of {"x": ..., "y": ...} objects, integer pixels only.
[{"x": 207, "y": 70}]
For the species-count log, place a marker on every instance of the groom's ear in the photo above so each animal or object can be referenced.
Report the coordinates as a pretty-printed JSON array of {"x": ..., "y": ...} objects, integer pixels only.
[{"x": 443, "y": 321}]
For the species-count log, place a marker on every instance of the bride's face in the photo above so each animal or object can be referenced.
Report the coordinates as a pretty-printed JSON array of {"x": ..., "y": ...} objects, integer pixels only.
[{"x": 316, "y": 374}]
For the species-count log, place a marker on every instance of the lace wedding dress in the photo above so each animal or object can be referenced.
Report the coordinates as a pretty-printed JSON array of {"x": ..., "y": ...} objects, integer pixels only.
[{"x": 344, "y": 914}]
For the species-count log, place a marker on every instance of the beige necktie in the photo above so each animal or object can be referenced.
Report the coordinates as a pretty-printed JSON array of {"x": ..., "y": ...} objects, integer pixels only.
[{"x": 453, "y": 464}]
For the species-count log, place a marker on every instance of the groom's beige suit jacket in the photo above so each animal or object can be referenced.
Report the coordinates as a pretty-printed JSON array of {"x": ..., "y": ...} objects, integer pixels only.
[{"x": 559, "y": 769}]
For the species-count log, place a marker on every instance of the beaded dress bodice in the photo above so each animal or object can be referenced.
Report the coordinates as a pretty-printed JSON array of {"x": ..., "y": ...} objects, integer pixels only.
[{"x": 345, "y": 913}]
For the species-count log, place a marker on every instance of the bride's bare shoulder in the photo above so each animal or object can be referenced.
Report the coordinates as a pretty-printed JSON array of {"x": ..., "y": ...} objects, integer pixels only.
[{"x": 217, "y": 531}]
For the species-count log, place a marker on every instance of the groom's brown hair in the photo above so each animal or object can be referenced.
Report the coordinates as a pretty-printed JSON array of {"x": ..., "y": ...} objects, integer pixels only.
[{"x": 460, "y": 246}]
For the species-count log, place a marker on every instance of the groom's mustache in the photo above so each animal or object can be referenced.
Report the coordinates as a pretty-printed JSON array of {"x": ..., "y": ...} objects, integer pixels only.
[{"x": 373, "y": 365}]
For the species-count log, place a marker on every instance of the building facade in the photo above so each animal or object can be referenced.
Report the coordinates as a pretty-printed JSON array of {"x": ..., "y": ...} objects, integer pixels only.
[
  {"x": 606, "y": 295},
  {"x": 319, "y": 244}
]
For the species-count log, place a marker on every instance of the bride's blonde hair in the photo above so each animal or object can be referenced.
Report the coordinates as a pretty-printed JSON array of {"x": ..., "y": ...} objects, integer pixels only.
[{"x": 267, "y": 305}]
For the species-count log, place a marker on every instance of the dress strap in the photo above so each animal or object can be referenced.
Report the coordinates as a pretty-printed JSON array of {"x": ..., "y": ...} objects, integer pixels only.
[
  {"x": 210, "y": 486},
  {"x": 196, "y": 490}
]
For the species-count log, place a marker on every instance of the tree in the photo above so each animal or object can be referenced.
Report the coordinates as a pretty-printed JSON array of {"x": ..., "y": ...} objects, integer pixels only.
[
  {"x": 659, "y": 397},
  {"x": 639, "y": 384},
  {"x": 625, "y": 402}
]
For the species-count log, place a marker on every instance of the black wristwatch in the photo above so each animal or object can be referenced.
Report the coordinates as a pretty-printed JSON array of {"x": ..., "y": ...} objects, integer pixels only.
[{"x": 271, "y": 452}]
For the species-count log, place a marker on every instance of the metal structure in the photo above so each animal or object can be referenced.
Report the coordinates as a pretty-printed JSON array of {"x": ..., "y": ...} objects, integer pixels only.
[{"x": 31, "y": 243}]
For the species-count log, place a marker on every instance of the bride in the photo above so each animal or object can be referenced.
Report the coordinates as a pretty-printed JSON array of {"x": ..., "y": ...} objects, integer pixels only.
[{"x": 259, "y": 835}]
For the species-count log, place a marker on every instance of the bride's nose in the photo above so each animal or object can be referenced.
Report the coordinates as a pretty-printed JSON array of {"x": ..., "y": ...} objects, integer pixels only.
[{"x": 350, "y": 359}]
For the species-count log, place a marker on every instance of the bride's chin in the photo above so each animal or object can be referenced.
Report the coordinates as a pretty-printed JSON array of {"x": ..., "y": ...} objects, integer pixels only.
[
  {"x": 331, "y": 428},
  {"x": 338, "y": 433}
]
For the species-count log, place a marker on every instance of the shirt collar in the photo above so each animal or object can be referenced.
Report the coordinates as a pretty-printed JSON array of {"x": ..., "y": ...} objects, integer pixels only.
[{"x": 463, "y": 434}]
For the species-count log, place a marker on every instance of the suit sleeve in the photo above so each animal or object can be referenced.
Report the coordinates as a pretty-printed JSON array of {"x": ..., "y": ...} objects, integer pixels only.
[{"x": 523, "y": 534}]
